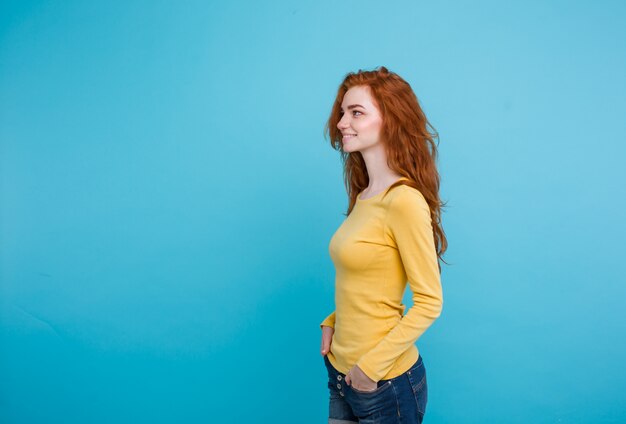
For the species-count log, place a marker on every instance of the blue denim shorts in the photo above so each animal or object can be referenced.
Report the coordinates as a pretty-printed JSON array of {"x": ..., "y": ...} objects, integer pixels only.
[{"x": 401, "y": 399}]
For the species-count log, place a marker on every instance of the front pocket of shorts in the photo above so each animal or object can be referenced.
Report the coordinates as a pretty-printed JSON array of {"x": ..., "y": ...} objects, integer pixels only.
[{"x": 374, "y": 392}]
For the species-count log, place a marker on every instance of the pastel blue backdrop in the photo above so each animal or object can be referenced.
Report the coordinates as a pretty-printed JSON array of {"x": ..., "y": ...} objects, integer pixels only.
[{"x": 168, "y": 198}]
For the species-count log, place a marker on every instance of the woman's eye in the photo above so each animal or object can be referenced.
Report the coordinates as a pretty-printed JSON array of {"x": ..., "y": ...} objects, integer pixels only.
[{"x": 353, "y": 112}]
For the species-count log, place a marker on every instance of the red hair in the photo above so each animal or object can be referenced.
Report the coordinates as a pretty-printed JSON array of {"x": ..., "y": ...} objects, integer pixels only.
[{"x": 411, "y": 149}]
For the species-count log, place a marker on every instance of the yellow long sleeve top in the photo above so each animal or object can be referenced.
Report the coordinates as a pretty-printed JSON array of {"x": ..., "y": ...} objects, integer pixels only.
[{"x": 385, "y": 241}]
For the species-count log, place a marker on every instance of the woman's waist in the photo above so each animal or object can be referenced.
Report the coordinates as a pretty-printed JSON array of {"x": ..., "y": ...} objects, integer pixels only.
[
  {"x": 345, "y": 357},
  {"x": 368, "y": 313},
  {"x": 361, "y": 329}
]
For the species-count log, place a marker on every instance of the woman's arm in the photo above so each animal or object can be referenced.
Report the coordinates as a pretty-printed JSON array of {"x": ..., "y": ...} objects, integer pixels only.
[
  {"x": 408, "y": 222},
  {"x": 329, "y": 321}
]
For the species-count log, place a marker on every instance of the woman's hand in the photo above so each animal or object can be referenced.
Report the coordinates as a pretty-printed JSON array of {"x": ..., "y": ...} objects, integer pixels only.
[
  {"x": 327, "y": 339},
  {"x": 358, "y": 380}
]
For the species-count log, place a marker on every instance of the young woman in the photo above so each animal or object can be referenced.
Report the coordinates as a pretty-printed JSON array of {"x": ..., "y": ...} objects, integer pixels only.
[{"x": 392, "y": 234}]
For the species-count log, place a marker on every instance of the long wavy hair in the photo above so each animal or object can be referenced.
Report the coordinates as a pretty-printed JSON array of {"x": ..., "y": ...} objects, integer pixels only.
[{"x": 410, "y": 147}]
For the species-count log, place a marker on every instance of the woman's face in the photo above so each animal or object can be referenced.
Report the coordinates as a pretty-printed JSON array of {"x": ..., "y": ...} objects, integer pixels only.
[{"x": 360, "y": 121}]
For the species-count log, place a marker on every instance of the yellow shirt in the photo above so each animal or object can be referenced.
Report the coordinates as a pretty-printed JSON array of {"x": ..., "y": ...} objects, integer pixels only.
[{"x": 385, "y": 241}]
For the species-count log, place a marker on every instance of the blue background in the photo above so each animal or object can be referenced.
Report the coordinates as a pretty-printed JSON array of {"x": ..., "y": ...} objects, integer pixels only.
[{"x": 168, "y": 198}]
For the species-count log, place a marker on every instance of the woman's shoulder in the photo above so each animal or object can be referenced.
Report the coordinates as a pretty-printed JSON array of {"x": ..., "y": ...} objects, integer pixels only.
[
  {"x": 405, "y": 196},
  {"x": 405, "y": 193}
]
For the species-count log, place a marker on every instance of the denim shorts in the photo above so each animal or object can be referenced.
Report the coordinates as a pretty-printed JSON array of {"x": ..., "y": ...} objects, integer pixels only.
[{"x": 401, "y": 399}]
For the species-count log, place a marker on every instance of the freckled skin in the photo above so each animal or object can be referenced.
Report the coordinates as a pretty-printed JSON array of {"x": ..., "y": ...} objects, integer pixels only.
[{"x": 365, "y": 121}]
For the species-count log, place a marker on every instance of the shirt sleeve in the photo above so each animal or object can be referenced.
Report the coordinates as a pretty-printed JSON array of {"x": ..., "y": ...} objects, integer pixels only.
[
  {"x": 408, "y": 223},
  {"x": 329, "y": 321}
]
